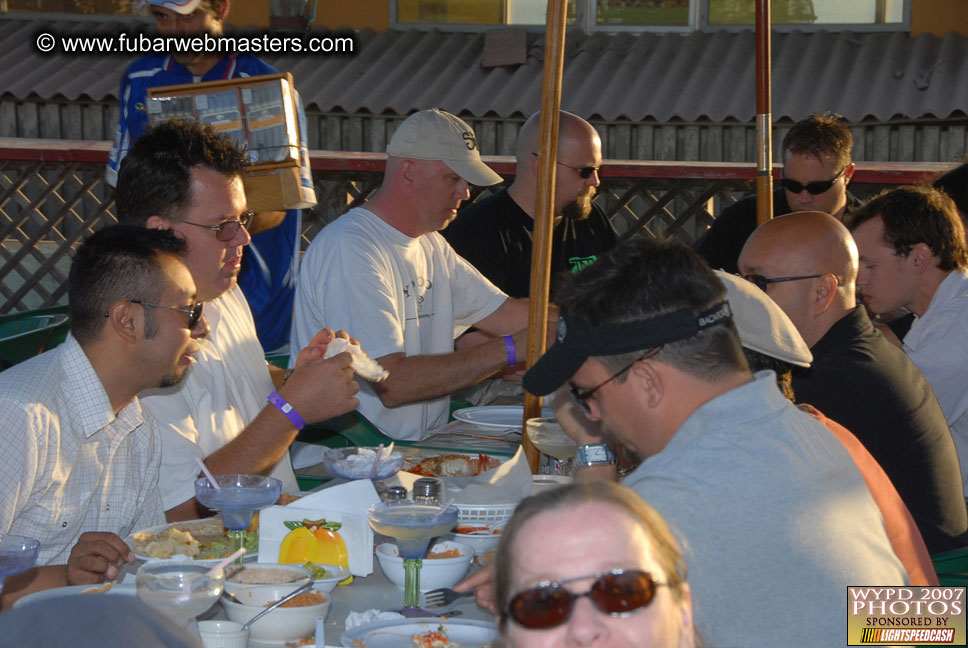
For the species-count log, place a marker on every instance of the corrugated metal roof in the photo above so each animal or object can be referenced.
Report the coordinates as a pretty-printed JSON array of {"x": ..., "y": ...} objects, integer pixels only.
[{"x": 613, "y": 77}]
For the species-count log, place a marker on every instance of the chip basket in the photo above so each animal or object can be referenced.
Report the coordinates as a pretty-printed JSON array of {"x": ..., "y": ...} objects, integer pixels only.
[{"x": 487, "y": 513}]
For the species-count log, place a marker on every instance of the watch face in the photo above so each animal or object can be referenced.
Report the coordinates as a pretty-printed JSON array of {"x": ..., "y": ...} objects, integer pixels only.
[{"x": 595, "y": 453}]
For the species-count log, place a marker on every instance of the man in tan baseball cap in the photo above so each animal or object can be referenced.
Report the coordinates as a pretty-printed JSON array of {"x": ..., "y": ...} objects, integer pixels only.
[{"x": 384, "y": 272}]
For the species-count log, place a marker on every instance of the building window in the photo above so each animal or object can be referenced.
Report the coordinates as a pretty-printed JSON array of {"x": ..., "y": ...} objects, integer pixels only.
[
  {"x": 121, "y": 7},
  {"x": 658, "y": 14}
]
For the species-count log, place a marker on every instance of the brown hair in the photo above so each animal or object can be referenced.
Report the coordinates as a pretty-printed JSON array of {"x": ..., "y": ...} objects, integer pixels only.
[
  {"x": 820, "y": 135},
  {"x": 667, "y": 551},
  {"x": 913, "y": 215}
]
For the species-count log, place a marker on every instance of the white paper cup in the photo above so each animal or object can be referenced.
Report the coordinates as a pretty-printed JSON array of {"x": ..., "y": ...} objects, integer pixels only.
[{"x": 223, "y": 634}]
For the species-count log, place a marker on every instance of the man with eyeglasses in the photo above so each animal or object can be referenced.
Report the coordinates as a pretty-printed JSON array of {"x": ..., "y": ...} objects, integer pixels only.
[
  {"x": 384, "y": 271},
  {"x": 769, "y": 507},
  {"x": 495, "y": 233},
  {"x": 233, "y": 412},
  {"x": 271, "y": 261},
  {"x": 913, "y": 255},
  {"x": 807, "y": 262},
  {"x": 81, "y": 458},
  {"x": 816, "y": 172}
]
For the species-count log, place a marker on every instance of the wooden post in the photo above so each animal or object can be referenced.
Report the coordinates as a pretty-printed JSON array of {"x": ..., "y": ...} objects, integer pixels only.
[
  {"x": 554, "y": 60},
  {"x": 764, "y": 120}
]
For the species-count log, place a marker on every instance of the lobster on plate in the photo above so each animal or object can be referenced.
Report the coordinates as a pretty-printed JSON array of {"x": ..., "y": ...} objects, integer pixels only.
[{"x": 454, "y": 465}]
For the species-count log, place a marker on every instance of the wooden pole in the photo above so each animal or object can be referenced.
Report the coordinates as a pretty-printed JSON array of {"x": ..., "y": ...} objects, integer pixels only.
[
  {"x": 554, "y": 60},
  {"x": 764, "y": 120}
]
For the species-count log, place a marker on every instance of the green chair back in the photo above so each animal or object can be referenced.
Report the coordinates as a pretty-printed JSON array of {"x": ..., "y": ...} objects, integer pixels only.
[
  {"x": 951, "y": 562},
  {"x": 24, "y": 335}
]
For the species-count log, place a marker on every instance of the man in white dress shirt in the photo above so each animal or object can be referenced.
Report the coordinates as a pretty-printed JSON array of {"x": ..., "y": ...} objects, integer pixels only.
[
  {"x": 80, "y": 463},
  {"x": 186, "y": 178},
  {"x": 913, "y": 255}
]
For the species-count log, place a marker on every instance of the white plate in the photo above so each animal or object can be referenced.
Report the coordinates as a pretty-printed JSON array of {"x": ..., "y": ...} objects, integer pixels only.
[
  {"x": 505, "y": 417},
  {"x": 185, "y": 525},
  {"x": 396, "y": 633},
  {"x": 123, "y": 589}
]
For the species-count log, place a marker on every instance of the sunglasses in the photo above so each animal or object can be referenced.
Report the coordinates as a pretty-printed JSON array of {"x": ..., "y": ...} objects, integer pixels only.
[
  {"x": 583, "y": 172},
  {"x": 194, "y": 312},
  {"x": 762, "y": 282},
  {"x": 616, "y": 593},
  {"x": 226, "y": 230},
  {"x": 580, "y": 396},
  {"x": 812, "y": 188}
]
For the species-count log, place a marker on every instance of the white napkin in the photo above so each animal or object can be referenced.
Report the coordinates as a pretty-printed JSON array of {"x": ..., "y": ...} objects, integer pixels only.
[
  {"x": 304, "y": 455},
  {"x": 509, "y": 483},
  {"x": 346, "y": 503},
  {"x": 356, "y": 619}
]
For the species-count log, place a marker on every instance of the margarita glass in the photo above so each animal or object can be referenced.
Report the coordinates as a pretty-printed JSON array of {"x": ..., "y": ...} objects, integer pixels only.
[
  {"x": 413, "y": 526},
  {"x": 238, "y": 497},
  {"x": 17, "y": 554},
  {"x": 179, "y": 589}
]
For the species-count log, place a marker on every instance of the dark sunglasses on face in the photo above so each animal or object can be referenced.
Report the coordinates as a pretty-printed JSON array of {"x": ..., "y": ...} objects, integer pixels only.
[
  {"x": 616, "y": 593},
  {"x": 762, "y": 282},
  {"x": 194, "y": 312},
  {"x": 583, "y": 172},
  {"x": 812, "y": 188},
  {"x": 227, "y": 230}
]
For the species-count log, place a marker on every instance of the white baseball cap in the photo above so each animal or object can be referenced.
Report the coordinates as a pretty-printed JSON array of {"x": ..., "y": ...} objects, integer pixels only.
[
  {"x": 438, "y": 135},
  {"x": 762, "y": 324},
  {"x": 183, "y": 7}
]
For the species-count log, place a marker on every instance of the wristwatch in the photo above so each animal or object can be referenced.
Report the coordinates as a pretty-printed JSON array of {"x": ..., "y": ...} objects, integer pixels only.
[{"x": 595, "y": 454}]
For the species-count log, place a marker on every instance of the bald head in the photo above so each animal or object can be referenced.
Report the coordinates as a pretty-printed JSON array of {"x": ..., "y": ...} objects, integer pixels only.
[
  {"x": 802, "y": 245},
  {"x": 579, "y": 156},
  {"x": 572, "y": 131}
]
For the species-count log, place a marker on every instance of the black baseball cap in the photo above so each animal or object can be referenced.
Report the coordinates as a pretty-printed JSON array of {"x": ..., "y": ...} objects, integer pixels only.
[{"x": 577, "y": 340}]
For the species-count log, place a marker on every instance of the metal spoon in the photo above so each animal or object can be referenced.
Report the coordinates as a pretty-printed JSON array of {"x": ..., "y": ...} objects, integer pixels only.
[{"x": 272, "y": 607}]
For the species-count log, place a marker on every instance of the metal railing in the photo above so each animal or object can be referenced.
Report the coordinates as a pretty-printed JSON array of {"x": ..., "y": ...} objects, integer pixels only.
[{"x": 53, "y": 195}]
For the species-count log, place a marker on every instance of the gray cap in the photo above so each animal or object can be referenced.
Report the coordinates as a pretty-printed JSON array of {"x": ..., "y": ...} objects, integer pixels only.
[
  {"x": 762, "y": 325},
  {"x": 438, "y": 135}
]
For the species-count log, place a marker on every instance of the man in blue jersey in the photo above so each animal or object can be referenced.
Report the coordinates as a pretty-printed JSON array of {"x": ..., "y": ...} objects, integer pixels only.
[{"x": 270, "y": 262}]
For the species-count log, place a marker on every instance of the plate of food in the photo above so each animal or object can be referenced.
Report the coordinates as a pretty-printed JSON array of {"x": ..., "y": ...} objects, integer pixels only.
[
  {"x": 122, "y": 589},
  {"x": 428, "y": 633},
  {"x": 202, "y": 540},
  {"x": 506, "y": 418},
  {"x": 453, "y": 465}
]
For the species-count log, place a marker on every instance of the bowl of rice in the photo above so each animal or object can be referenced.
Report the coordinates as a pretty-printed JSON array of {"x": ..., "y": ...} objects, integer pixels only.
[
  {"x": 446, "y": 564},
  {"x": 357, "y": 463},
  {"x": 292, "y": 620}
]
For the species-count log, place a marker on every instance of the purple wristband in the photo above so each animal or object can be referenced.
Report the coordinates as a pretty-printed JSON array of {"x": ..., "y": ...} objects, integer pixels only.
[
  {"x": 509, "y": 346},
  {"x": 287, "y": 410}
]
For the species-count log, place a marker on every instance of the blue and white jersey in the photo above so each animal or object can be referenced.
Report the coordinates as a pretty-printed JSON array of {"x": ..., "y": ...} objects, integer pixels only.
[{"x": 270, "y": 262}]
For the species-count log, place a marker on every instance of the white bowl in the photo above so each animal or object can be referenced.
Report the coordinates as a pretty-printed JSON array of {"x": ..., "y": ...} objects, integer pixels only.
[
  {"x": 339, "y": 574},
  {"x": 283, "y": 623},
  {"x": 480, "y": 543},
  {"x": 259, "y": 576},
  {"x": 223, "y": 634},
  {"x": 434, "y": 572}
]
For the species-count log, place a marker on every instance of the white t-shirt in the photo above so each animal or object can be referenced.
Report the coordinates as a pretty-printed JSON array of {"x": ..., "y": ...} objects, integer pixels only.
[
  {"x": 394, "y": 294},
  {"x": 220, "y": 395},
  {"x": 938, "y": 344}
]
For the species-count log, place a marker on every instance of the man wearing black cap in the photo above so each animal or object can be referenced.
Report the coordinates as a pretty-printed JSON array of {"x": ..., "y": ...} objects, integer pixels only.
[{"x": 775, "y": 517}]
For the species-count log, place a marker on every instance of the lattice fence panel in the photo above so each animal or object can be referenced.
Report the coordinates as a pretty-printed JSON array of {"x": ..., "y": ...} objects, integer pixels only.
[{"x": 46, "y": 209}]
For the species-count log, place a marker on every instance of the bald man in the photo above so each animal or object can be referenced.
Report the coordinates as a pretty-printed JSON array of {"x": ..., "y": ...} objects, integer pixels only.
[
  {"x": 807, "y": 262},
  {"x": 495, "y": 233}
]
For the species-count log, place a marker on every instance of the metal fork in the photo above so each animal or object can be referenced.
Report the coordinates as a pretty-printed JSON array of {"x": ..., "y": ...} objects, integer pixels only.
[{"x": 443, "y": 597}]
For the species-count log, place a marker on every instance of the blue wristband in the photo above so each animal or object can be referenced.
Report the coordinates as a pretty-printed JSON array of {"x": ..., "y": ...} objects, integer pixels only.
[
  {"x": 509, "y": 346},
  {"x": 287, "y": 410}
]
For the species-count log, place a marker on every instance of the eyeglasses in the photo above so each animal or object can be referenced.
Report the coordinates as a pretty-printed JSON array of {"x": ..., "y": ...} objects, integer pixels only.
[
  {"x": 813, "y": 188},
  {"x": 616, "y": 593},
  {"x": 583, "y": 172},
  {"x": 226, "y": 230},
  {"x": 762, "y": 282},
  {"x": 194, "y": 312},
  {"x": 581, "y": 396}
]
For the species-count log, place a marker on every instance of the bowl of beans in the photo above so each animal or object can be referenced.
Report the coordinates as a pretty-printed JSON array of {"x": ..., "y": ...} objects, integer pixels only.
[{"x": 293, "y": 620}]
